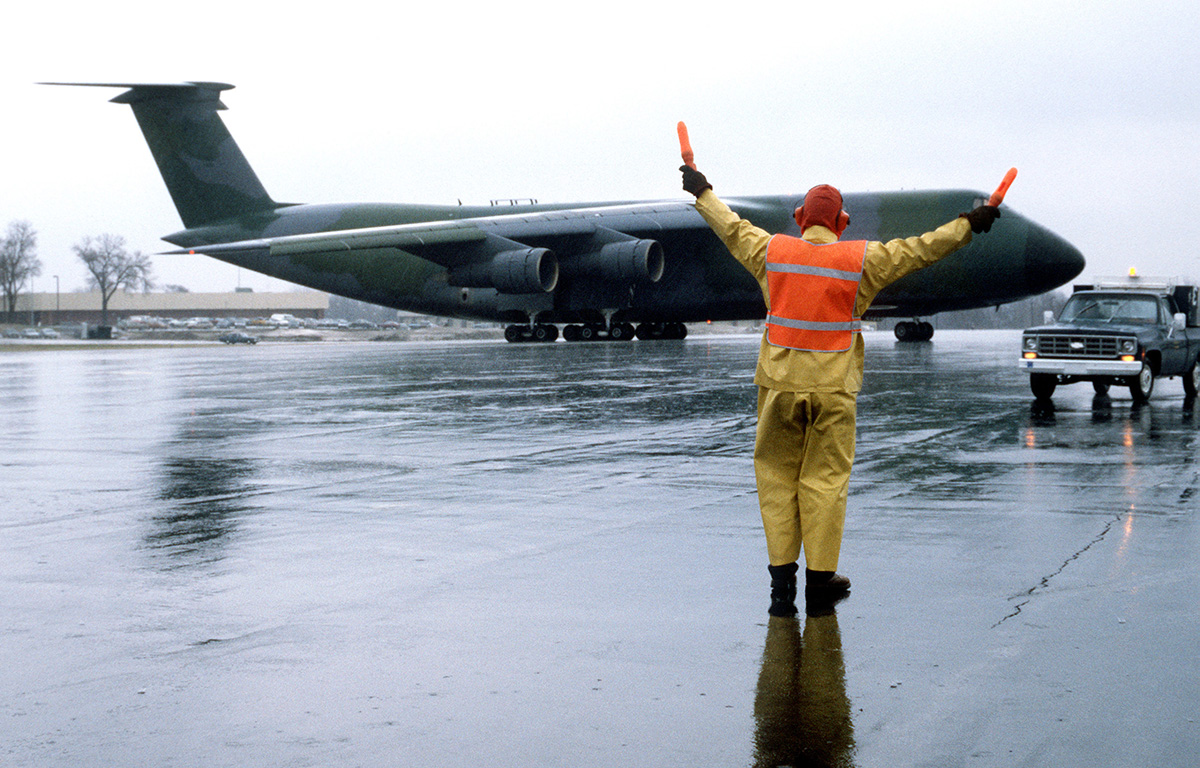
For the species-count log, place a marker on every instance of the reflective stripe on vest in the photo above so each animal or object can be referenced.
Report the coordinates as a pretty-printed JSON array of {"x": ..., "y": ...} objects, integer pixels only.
[{"x": 813, "y": 289}]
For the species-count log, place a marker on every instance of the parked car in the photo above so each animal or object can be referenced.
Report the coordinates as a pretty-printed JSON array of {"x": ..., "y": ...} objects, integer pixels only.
[{"x": 237, "y": 337}]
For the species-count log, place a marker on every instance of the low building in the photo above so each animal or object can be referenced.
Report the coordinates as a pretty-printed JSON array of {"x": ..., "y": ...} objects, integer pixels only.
[{"x": 56, "y": 308}]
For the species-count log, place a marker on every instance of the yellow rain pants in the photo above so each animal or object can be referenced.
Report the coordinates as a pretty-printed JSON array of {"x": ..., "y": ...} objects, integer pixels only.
[{"x": 803, "y": 451}]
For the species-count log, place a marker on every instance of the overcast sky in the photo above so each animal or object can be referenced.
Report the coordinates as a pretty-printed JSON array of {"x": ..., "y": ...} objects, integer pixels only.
[{"x": 1095, "y": 102}]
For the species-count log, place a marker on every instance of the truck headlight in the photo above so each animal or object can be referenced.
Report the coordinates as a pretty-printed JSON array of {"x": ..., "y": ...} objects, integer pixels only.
[
  {"x": 1128, "y": 346},
  {"x": 1030, "y": 343}
]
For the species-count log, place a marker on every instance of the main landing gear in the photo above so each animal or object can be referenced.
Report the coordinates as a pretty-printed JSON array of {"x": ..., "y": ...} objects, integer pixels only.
[
  {"x": 544, "y": 332},
  {"x": 916, "y": 330},
  {"x": 541, "y": 332}
]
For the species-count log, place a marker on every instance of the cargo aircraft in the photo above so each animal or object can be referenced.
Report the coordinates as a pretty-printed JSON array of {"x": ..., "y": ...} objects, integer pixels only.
[{"x": 611, "y": 270}]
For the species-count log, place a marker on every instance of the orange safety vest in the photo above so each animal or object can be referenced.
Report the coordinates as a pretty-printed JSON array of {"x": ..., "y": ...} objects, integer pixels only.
[{"x": 813, "y": 289}]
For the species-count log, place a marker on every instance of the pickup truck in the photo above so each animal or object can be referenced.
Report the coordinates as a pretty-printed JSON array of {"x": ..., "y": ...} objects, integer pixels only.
[{"x": 1127, "y": 333}]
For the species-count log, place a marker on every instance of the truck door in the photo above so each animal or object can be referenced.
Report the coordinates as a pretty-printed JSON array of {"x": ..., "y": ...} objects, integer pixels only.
[{"x": 1174, "y": 351}]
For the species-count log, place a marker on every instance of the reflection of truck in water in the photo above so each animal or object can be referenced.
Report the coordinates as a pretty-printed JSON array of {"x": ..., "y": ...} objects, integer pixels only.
[{"x": 1125, "y": 332}]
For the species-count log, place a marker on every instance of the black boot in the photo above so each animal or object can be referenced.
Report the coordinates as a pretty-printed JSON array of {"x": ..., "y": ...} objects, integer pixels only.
[
  {"x": 783, "y": 589},
  {"x": 824, "y": 588}
]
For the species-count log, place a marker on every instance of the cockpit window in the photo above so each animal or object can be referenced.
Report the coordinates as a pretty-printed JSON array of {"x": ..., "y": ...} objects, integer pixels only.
[{"x": 1124, "y": 309}]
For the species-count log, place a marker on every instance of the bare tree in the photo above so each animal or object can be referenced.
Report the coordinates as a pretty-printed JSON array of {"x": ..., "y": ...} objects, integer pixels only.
[
  {"x": 18, "y": 261},
  {"x": 112, "y": 268}
]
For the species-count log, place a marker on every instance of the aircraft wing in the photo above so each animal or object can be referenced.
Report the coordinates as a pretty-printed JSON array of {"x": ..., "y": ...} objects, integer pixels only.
[{"x": 450, "y": 243}]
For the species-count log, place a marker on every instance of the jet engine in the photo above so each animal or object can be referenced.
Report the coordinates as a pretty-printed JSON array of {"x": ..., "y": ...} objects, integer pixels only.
[
  {"x": 529, "y": 270},
  {"x": 623, "y": 262}
]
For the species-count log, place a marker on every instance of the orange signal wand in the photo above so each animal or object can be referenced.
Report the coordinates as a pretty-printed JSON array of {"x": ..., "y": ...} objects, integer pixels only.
[
  {"x": 998, "y": 196},
  {"x": 685, "y": 146}
]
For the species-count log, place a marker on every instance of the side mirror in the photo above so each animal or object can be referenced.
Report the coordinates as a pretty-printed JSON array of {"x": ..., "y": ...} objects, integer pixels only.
[
  {"x": 1179, "y": 321},
  {"x": 1048, "y": 317}
]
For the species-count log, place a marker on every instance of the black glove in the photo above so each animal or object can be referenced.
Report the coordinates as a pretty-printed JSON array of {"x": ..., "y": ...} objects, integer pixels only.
[
  {"x": 981, "y": 218},
  {"x": 694, "y": 181}
]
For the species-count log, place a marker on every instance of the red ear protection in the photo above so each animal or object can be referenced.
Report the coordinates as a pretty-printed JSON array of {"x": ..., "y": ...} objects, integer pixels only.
[
  {"x": 843, "y": 221},
  {"x": 826, "y": 210}
]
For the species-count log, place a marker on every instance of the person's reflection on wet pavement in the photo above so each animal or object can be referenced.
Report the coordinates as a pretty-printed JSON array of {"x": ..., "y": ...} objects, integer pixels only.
[{"x": 801, "y": 713}]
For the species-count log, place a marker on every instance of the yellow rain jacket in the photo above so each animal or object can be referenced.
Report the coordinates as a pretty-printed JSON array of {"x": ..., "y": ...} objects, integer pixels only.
[{"x": 804, "y": 447}]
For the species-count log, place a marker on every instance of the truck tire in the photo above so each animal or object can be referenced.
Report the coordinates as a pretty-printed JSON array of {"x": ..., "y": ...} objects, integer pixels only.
[
  {"x": 1043, "y": 385},
  {"x": 1142, "y": 385},
  {"x": 1191, "y": 379}
]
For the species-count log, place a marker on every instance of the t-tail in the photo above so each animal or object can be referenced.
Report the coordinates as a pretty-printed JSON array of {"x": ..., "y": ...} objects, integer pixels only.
[{"x": 206, "y": 173}]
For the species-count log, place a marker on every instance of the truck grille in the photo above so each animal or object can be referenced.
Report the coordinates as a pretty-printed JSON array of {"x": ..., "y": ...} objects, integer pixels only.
[{"x": 1076, "y": 346}]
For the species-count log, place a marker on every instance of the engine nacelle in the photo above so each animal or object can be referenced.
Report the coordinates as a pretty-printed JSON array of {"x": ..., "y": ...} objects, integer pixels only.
[
  {"x": 624, "y": 261},
  {"x": 530, "y": 270}
]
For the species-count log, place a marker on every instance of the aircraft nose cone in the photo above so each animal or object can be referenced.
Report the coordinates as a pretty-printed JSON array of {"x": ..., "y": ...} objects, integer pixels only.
[{"x": 1050, "y": 261}]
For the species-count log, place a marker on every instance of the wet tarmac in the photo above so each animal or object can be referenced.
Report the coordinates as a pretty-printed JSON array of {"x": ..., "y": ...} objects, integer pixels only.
[{"x": 521, "y": 555}]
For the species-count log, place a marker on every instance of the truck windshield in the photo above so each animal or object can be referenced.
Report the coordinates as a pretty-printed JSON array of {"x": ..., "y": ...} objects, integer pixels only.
[{"x": 1110, "y": 309}]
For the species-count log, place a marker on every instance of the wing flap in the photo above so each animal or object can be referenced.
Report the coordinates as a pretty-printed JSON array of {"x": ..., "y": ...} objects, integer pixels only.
[{"x": 406, "y": 237}]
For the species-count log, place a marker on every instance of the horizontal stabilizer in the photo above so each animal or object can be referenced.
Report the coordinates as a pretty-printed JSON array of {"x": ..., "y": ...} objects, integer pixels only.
[
  {"x": 206, "y": 173},
  {"x": 190, "y": 91}
]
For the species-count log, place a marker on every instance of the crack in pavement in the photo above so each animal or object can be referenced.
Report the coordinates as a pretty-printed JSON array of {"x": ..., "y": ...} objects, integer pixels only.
[{"x": 1045, "y": 581}]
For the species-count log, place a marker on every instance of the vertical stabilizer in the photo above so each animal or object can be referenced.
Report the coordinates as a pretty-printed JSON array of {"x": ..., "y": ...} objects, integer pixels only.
[{"x": 206, "y": 173}]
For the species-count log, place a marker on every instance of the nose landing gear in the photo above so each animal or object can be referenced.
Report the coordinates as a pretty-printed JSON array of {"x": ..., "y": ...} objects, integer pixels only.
[{"x": 913, "y": 331}]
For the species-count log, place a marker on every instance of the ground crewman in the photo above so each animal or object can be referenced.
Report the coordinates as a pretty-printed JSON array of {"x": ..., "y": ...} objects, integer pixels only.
[{"x": 810, "y": 367}]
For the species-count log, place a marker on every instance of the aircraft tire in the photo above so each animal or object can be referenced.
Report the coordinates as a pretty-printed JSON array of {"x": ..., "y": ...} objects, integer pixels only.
[
  {"x": 1043, "y": 385},
  {"x": 646, "y": 331},
  {"x": 545, "y": 333},
  {"x": 571, "y": 332},
  {"x": 621, "y": 332},
  {"x": 1101, "y": 387},
  {"x": 514, "y": 333},
  {"x": 910, "y": 331},
  {"x": 587, "y": 333},
  {"x": 677, "y": 330}
]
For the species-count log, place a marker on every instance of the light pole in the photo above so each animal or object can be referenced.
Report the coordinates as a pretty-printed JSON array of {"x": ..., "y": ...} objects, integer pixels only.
[{"x": 56, "y": 294}]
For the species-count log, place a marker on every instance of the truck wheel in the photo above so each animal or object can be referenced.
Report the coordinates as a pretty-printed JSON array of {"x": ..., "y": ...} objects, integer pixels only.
[
  {"x": 1043, "y": 385},
  {"x": 1191, "y": 379},
  {"x": 1142, "y": 385}
]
